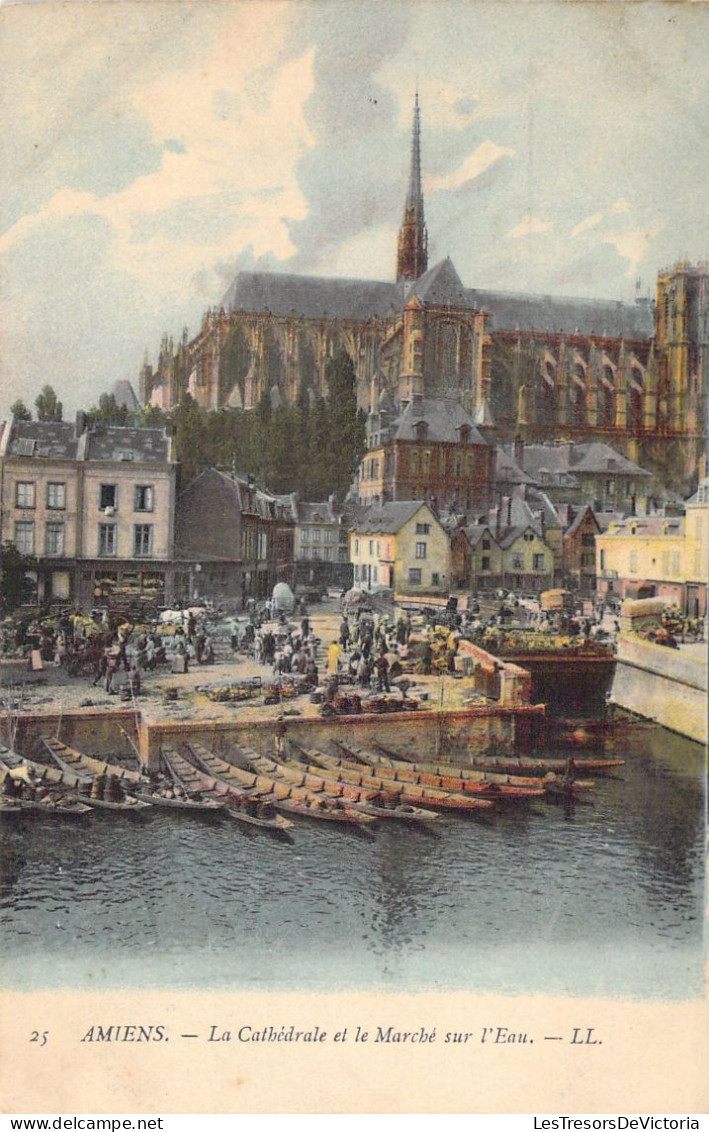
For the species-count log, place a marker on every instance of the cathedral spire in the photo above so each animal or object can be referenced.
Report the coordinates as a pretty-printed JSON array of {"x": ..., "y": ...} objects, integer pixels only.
[{"x": 412, "y": 248}]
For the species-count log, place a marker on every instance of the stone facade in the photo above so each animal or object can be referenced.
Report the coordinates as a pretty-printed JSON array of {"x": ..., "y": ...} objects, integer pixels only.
[{"x": 93, "y": 506}]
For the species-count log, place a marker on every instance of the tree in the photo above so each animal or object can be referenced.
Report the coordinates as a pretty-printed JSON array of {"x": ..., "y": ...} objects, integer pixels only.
[
  {"x": 13, "y": 567},
  {"x": 345, "y": 440},
  {"x": 47, "y": 406},
  {"x": 19, "y": 411},
  {"x": 109, "y": 412}
]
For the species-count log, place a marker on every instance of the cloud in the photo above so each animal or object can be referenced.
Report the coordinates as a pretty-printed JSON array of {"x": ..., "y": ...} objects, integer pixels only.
[
  {"x": 633, "y": 244},
  {"x": 486, "y": 155},
  {"x": 530, "y": 226}
]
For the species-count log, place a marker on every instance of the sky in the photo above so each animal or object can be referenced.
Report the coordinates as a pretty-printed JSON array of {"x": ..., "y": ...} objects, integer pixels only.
[{"x": 150, "y": 150}]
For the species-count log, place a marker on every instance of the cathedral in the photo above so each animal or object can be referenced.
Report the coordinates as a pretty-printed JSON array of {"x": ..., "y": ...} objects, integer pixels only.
[{"x": 535, "y": 368}]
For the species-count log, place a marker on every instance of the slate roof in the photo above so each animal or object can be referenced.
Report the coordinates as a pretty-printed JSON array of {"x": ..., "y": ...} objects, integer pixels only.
[
  {"x": 143, "y": 445},
  {"x": 125, "y": 395},
  {"x": 590, "y": 457},
  {"x": 440, "y": 286},
  {"x": 444, "y": 419},
  {"x": 606, "y": 518},
  {"x": 388, "y": 518},
  {"x": 578, "y": 519},
  {"x": 58, "y": 440},
  {"x": 311, "y": 296},
  {"x": 649, "y": 525},
  {"x": 507, "y": 470},
  {"x": 315, "y": 513},
  {"x": 550, "y": 314},
  {"x": 54, "y": 440},
  {"x": 476, "y": 531},
  {"x": 539, "y": 501}
]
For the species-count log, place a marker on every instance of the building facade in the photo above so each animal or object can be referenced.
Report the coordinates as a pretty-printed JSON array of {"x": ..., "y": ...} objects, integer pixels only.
[
  {"x": 402, "y": 546},
  {"x": 659, "y": 556},
  {"x": 321, "y": 545},
  {"x": 94, "y": 507},
  {"x": 233, "y": 541},
  {"x": 432, "y": 450}
]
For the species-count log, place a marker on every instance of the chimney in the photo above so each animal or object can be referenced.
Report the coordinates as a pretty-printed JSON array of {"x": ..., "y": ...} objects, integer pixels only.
[
  {"x": 495, "y": 518},
  {"x": 80, "y": 424},
  {"x": 507, "y": 504},
  {"x": 540, "y": 517}
]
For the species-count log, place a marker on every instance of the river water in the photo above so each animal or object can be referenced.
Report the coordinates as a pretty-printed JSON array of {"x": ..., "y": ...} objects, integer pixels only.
[{"x": 607, "y": 900}]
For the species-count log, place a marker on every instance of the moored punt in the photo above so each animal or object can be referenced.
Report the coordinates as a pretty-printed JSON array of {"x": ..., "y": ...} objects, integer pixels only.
[
  {"x": 376, "y": 803},
  {"x": 93, "y": 772},
  {"x": 452, "y": 781},
  {"x": 10, "y": 760},
  {"x": 286, "y": 797},
  {"x": 127, "y": 805},
  {"x": 410, "y": 793},
  {"x": 86, "y": 766},
  {"x": 191, "y": 805},
  {"x": 64, "y": 807},
  {"x": 246, "y": 806},
  {"x": 540, "y": 767},
  {"x": 524, "y": 785},
  {"x": 38, "y": 775}
]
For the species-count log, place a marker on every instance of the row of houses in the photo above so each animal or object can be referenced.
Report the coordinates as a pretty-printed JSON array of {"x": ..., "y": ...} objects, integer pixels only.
[{"x": 96, "y": 509}]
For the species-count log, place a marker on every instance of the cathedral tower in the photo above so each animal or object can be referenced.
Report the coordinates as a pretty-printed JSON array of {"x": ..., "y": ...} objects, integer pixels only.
[{"x": 412, "y": 247}]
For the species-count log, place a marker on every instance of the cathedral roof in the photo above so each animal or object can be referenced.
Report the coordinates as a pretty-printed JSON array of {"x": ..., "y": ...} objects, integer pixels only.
[
  {"x": 549, "y": 314},
  {"x": 440, "y": 286},
  {"x": 311, "y": 296},
  {"x": 444, "y": 419}
]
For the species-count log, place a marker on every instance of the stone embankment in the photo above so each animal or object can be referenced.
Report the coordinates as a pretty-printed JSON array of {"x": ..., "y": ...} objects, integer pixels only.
[{"x": 666, "y": 685}]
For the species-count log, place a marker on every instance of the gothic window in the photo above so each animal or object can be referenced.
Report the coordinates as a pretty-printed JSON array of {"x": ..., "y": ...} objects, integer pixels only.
[
  {"x": 635, "y": 400},
  {"x": 662, "y": 404},
  {"x": 606, "y": 398},
  {"x": 545, "y": 410},
  {"x": 578, "y": 405}
]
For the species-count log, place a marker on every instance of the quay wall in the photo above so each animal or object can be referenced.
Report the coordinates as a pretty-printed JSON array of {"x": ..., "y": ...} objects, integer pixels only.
[
  {"x": 456, "y": 735},
  {"x": 663, "y": 685},
  {"x": 497, "y": 679}
]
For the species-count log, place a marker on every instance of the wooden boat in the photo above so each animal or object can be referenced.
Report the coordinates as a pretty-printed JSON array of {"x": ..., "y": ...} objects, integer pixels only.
[
  {"x": 453, "y": 781},
  {"x": 533, "y": 786},
  {"x": 65, "y": 808},
  {"x": 71, "y": 761},
  {"x": 410, "y": 793},
  {"x": 229, "y": 800},
  {"x": 541, "y": 767},
  {"x": 191, "y": 805},
  {"x": 10, "y": 760},
  {"x": 72, "y": 785},
  {"x": 87, "y": 766},
  {"x": 378, "y": 804},
  {"x": 286, "y": 797}
]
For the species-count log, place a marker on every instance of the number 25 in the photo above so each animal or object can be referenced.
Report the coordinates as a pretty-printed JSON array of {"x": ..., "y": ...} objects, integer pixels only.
[{"x": 41, "y": 1038}]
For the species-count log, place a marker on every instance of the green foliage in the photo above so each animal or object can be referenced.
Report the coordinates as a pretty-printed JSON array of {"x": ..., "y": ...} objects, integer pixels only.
[
  {"x": 47, "y": 406},
  {"x": 19, "y": 411},
  {"x": 312, "y": 447},
  {"x": 109, "y": 412},
  {"x": 13, "y": 566}
]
